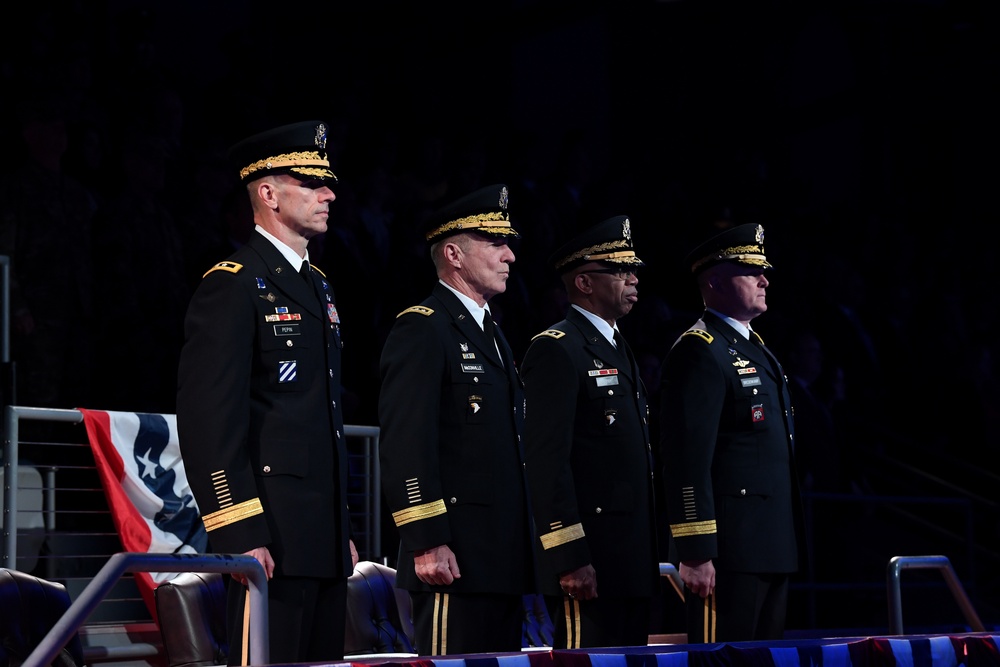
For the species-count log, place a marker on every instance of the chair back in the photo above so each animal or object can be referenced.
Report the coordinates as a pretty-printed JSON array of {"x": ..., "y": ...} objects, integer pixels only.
[
  {"x": 379, "y": 619},
  {"x": 29, "y": 608}
]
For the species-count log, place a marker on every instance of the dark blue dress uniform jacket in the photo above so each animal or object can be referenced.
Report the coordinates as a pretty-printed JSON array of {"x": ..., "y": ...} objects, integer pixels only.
[
  {"x": 727, "y": 443},
  {"x": 259, "y": 416},
  {"x": 451, "y": 416},
  {"x": 589, "y": 461}
]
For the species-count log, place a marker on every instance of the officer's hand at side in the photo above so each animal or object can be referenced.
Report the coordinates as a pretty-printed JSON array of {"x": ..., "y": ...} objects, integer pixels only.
[
  {"x": 437, "y": 566},
  {"x": 263, "y": 557},
  {"x": 698, "y": 576},
  {"x": 581, "y": 583}
]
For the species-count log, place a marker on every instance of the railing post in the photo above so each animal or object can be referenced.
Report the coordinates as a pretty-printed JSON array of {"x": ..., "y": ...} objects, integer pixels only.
[
  {"x": 899, "y": 563},
  {"x": 10, "y": 481}
]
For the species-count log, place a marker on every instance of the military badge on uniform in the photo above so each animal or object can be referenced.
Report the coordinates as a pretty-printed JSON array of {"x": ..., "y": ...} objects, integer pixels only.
[
  {"x": 757, "y": 413},
  {"x": 474, "y": 403},
  {"x": 260, "y": 283},
  {"x": 287, "y": 371},
  {"x": 281, "y": 314},
  {"x": 331, "y": 312},
  {"x": 231, "y": 267},
  {"x": 609, "y": 416},
  {"x": 605, "y": 377}
]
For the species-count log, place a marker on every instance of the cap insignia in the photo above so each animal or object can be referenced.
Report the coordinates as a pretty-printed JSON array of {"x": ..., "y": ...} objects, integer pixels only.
[
  {"x": 503, "y": 198},
  {"x": 320, "y": 139},
  {"x": 759, "y": 235},
  {"x": 627, "y": 231}
]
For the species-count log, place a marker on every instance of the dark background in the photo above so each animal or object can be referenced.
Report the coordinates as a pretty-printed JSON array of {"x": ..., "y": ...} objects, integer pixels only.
[{"x": 860, "y": 134}]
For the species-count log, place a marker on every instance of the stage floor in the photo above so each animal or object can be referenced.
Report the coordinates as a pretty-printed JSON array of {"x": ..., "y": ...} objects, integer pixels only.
[{"x": 954, "y": 650}]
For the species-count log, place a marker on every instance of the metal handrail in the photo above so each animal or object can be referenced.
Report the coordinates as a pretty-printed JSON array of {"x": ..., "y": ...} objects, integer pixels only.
[
  {"x": 674, "y": 577},
  {"x": 899, "y": 563},
  {"x": 71, "y": 621}
]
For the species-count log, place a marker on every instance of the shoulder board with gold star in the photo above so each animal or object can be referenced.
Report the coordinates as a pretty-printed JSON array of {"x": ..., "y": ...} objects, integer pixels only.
[
  {"x": 423, "y": 310},
  {"x": 551, "y": 333},
  {"x": 231, "y": 267},
  {"x": 700, "y": 333}
]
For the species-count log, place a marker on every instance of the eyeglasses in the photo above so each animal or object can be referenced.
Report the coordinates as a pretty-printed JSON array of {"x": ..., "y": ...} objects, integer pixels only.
[{"x": 620, "y": 274}]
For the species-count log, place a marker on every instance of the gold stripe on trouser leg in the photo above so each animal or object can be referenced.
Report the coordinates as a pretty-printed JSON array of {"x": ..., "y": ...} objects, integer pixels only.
[
  {"x": 439, "y": 625},
  {"x": 245, "y": 642},
  {"x": 572, "y": 614},
  {"x": 708, "y": 627}
]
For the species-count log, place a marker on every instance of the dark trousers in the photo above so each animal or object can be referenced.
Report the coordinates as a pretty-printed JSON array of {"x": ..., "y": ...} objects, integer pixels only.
[
  {"x": 599, "y": 622},
  {"x": 306, "y": 620},
  {"x": 744, "y": 607},
  {"x": 452, "y": 624}
]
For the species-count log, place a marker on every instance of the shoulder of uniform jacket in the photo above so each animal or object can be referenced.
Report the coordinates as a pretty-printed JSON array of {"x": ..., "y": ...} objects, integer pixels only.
[
  {"x": 550, "y": 333},
  {"x": 420, "y": 310},
  {"x": 229, "y": 267},
  {"x": 699, "y": 333}
]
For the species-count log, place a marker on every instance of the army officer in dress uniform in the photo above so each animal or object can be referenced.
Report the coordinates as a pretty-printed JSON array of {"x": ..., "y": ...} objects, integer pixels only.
[
  {"x": 258, "y": 406},
  {"x": 732, "y": 497},
  {"x": 587, "y": 450},
  {"x": 451, "y": 410}
]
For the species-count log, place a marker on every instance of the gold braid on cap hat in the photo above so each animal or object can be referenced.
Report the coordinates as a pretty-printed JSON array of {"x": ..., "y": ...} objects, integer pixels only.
[
  {"x": 748, "y": 254},
  {"x": 499, "y": 223},
  {"x": 594, "y": 254},
  {"x": 299, "y": 159}
]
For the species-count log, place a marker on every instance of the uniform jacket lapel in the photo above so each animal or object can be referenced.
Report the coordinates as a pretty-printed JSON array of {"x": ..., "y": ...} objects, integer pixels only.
[
  {"x": 599, "y": 346},
  {"x": 747, "y": 349},
  {"x": 283, "y": 276},
  {"x": 463, "y": 320}
]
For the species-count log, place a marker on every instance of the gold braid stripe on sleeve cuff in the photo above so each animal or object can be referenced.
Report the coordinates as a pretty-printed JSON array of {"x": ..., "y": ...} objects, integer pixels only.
[
  {"x": 693, "y": 528},
  {"x": 425, "y": 511},
  {"x": 231, "y": 515},
  {"x": 562, "y": 536}
]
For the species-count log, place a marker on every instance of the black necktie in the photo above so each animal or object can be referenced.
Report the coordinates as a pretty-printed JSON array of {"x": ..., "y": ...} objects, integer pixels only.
[
  {"x": 489, "y": 328},
  {"x": 619, "y": 341},
  {"x": 304, "y": 272},
  {"x": 622, "y": 347}
]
